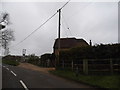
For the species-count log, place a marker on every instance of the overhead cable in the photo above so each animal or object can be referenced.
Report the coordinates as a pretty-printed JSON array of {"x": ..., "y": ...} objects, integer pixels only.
[
  {"x": 40, "y": 25},
  {"x": 36, "y": 29}
]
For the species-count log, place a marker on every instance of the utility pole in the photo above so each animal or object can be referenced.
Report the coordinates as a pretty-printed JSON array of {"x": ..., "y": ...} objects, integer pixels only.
[{"x": 59, "y": 27}]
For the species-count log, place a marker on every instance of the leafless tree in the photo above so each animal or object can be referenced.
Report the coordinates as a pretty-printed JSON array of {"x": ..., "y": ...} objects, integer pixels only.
[
  {"x": 4, "y": 18},
  {"x": 6, "y": 35}
]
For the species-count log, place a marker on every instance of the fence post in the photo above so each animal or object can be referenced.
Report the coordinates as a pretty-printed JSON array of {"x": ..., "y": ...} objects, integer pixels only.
[
  {"x": 72, "y": 65},
  {"x": 85, "y": 66},
  {"x": 111, "y": 66}
]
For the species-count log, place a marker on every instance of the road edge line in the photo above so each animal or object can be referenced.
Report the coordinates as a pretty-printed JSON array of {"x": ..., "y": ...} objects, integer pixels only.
[
  {"x": 23, "y": 84},
  {"x": 13, "y": 73},
  {"x": 7, "y": 68}
]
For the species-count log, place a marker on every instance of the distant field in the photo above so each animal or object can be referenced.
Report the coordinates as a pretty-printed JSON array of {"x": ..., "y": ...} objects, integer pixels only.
[{"x": 103, "y": 81}]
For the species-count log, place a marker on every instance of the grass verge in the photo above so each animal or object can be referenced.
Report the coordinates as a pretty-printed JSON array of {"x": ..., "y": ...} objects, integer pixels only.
[
  {"x": 10, "y": 62},
  {"x": 105, "y": 81}
]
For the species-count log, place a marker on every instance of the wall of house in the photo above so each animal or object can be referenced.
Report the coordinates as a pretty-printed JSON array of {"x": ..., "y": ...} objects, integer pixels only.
[{"x": 56, "y": 50}]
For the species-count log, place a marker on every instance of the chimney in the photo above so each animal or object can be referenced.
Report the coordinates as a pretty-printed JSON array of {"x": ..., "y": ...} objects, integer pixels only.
[{"x": 90, "y": 43}]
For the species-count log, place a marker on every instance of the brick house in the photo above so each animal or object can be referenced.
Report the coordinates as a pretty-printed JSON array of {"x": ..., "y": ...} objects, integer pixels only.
[{"x": 67, "y": 43}]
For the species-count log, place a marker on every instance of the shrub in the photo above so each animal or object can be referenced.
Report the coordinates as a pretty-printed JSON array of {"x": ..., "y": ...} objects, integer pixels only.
[
  {"x": 91, "y": 52},
  {"x": 11, "y": 62}
]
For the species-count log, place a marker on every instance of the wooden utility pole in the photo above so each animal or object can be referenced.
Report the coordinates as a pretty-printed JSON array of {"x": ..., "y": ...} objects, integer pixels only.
[
  {"x": 59, "y": 35},
  {"x": 59, "y": 27}
]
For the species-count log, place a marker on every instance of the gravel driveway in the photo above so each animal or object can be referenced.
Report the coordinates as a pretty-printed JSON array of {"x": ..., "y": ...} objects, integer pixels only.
[{"x": 34, "y": 67}]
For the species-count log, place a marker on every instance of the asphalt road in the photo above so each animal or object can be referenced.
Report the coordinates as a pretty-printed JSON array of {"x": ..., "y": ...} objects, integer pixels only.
[
  {"x": 9, "y": 80},
  {"x": 17, "y": 77}
]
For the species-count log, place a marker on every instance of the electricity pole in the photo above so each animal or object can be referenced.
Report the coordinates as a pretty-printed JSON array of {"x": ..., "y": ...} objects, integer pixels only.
[{"x": 59, "y": 27}]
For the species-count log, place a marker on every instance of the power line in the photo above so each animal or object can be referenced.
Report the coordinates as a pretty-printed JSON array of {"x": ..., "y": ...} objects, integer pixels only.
[
  {"x": 68, "y": 28},
  {"x": 41, "y": 25},
  {"x": 36, "y": 29},
  {"x": 63, "y": 26},
  {"x": 65, "y": 4}
]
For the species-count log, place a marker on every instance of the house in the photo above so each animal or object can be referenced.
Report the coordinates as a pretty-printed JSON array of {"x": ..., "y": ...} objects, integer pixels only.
[{"x": 67, "y": 43}]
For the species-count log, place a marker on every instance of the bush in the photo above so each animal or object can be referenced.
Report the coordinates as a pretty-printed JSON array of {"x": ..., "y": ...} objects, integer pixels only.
[
  {"x": 33, "y": 59},
  {"x": 91, "y": 52},
  {"x": 11, "y": 62}
]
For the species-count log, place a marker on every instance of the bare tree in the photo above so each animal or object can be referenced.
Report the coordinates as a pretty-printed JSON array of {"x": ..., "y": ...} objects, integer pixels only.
[
  {"x": 4, "y": 18},
  {"x": 6, "y": 35}
]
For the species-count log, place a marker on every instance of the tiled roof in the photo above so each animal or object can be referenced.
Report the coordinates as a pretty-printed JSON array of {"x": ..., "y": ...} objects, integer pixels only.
[{"x": 69, "y": 42}]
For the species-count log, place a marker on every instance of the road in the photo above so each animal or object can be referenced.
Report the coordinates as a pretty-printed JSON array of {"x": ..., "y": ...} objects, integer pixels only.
[
  {"x": 17, "y": 77},
  {"x": 9, "y": 80}
]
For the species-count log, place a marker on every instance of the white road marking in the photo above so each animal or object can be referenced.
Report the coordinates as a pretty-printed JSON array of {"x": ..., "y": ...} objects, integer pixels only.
[
  {"x": 7, "y": 68},
  {"x": 13, "y": 73},
  {"x": 23, "y": 84}
]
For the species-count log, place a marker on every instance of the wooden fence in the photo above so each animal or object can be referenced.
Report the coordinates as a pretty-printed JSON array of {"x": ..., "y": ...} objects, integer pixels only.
[{"x": 93, "y": 65}]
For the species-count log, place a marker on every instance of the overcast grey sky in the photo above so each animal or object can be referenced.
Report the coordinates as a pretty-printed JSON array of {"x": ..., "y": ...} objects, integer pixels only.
[{"x": 96, "y": 21}]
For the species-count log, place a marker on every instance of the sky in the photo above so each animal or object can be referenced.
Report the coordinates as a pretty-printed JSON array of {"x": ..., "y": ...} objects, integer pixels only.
[{"x": 96, "y": 21}]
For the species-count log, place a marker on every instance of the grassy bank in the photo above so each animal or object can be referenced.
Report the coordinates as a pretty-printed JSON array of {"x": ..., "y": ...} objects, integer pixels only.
[
  {"x": 106, "y": 81},
  {"x": 10, "y": 62}
]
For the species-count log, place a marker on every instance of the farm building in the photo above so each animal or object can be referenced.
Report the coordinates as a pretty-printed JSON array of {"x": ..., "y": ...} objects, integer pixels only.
[{"x": 68, "y": 43}]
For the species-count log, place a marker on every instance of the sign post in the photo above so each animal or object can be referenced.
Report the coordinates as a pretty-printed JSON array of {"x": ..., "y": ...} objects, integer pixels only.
[{"x": 24, "y": 52}]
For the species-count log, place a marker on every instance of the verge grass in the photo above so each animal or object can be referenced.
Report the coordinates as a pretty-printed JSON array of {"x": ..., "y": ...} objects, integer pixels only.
[{"x": 102, "y": 81}]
